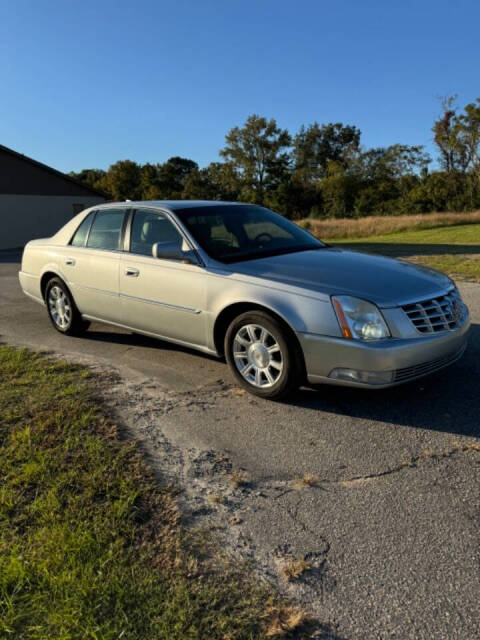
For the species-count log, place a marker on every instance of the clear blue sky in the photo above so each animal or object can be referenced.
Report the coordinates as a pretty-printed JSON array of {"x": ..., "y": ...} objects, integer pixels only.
[{"x": 86, "y": 83}]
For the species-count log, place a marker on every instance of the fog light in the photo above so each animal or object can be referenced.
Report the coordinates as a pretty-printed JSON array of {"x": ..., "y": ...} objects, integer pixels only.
[{"x": 367, "y": 377}]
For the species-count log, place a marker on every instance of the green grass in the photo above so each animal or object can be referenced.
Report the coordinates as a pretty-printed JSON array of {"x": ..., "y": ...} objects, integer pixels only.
[
  {"x": 459, "y": 267},
  {"x": 454, "y": 250},
  {"x": 459, "y": 234},
  {"x": 90, "y": 546}
]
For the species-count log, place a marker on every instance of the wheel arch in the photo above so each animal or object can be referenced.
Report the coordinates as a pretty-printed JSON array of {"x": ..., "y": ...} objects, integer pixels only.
[
  {"x": 46, "y": 277},
  {"x": 235, "y": 309}
]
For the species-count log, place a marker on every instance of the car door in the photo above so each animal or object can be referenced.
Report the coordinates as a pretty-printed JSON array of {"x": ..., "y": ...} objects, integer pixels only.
[
  {"x": 160, "y": 296},
  {"x": 92, "y": 263}
]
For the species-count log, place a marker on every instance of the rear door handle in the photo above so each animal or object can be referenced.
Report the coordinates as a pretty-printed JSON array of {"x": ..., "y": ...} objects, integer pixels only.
[
  {"x": 129, "y": 271},
  {"x": 70, "y": 261}
]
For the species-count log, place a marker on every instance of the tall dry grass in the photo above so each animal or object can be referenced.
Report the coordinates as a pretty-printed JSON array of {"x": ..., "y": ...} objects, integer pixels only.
[{"x": 379, "y": 225}]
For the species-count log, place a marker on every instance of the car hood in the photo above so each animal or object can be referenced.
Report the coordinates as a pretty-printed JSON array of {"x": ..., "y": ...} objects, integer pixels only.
[{"x": 385, "y": 281}]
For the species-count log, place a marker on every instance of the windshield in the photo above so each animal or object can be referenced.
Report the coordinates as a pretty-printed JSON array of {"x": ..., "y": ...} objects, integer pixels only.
[{"x": 231, "y": 233}]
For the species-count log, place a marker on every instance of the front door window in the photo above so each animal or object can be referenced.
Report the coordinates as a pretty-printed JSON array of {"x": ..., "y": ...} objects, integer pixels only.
[{"x": 149, "y": 228}]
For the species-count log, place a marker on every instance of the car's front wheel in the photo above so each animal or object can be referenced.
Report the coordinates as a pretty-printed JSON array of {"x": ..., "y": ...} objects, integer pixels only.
[
  {"x": 261, "y": 356},
  {"x": 62, "y": 310}
]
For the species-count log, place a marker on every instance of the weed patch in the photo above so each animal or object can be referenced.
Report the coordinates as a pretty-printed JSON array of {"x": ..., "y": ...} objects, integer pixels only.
[{"x": 90, "y": 545}]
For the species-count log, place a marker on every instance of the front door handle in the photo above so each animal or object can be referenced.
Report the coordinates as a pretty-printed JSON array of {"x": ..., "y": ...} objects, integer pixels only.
[
  {"x": 130, "y": 271},
  {"x": 70, "y": 261}
]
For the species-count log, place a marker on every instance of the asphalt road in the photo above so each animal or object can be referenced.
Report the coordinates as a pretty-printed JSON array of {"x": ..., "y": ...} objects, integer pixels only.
[{"x": 392, "y": 528}]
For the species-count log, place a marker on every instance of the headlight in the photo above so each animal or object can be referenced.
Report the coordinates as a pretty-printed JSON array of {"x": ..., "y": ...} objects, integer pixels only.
[{"x": 359, "y": 319}]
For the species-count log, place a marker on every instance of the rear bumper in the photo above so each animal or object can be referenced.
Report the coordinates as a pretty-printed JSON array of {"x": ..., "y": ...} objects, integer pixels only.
[
  {"x": 30, "y": 284},
  {"x": 406, "y": 359}
]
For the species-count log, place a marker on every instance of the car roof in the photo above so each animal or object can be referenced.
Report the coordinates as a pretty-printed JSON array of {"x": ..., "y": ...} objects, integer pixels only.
[{"x": 173, "y": 205}]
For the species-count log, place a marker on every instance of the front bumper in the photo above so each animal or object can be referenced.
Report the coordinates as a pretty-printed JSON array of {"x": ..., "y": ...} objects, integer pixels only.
[{"x": 406, "y": 359}]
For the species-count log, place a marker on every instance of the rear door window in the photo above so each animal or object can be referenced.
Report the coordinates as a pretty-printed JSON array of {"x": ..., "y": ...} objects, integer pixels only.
[
  {"x": 106, "y": 230},
  {"x": 81, "y": 233}
]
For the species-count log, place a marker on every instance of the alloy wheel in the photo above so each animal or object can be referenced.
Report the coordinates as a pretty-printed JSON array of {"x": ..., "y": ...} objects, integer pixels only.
[
  {"x": 257, "y": 356},
  {"x": 59, "y": 307}
]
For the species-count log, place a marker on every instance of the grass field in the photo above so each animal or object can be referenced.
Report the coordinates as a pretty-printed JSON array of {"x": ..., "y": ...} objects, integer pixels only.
[
  {"x": 90, "y": 546},
  {"x": 339, "y": 228},
  {"x": 451, "y": 248},
  {"x": 465, "y": 234}
]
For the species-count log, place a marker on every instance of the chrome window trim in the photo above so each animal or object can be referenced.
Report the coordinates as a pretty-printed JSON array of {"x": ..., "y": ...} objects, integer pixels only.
[{"x": 124, "y": 244}]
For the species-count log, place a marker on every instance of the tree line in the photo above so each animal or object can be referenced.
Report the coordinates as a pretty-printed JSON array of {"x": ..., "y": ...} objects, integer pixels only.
[{"x": 321, "y": 171}]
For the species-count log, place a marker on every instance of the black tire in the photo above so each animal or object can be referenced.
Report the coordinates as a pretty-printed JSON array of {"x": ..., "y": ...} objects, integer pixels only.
[
  {"x": 64, "y": 316},
  {"x": 264, "y": 378}
]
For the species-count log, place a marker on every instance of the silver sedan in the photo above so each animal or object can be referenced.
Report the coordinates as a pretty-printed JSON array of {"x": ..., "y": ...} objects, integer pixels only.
[{"x": 240, "y": 281}]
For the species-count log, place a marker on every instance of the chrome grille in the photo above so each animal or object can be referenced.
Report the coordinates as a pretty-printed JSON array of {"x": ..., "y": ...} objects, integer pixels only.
[{"x": 436, "y": 314}]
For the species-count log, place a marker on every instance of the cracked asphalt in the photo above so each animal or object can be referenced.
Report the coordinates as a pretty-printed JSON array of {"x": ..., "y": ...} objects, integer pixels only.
[{"x": 391, "y": 526}]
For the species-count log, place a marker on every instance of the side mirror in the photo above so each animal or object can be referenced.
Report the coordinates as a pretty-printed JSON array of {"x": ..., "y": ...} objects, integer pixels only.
[{"x": 170, "y": 251}]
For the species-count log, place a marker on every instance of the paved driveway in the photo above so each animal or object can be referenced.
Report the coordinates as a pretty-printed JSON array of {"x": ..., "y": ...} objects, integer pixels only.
[{"x": 391, "y": 529}]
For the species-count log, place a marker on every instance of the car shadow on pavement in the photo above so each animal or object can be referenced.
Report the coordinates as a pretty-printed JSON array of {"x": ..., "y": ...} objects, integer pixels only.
[
  {"x": 447, "y": 401},
  {"x": 126, "y": 338}
]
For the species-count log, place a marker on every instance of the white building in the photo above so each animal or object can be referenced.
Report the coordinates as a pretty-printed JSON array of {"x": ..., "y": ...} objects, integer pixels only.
[{"x": 36, "y": 200}]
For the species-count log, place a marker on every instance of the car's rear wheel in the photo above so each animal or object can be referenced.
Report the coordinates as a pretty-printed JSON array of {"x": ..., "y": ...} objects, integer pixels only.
[
  {"x": 62, "y": 310},
  {"x": 261, "y": 356}
]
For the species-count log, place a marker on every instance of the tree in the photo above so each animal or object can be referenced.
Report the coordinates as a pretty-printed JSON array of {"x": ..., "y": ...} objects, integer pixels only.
[
  {"x": 123, "y": 180},
  {"x": 446, "y": 130},
  {"x": 391, "y": 163},
  {"x": 339, "y": 189},
  {"x": 404, "y": 159},
  {"x": 468, "y": 130},
  {"x": 92, "y": 177},
  {"x": 217, "y": 181},
  {"x": 385, "y": 176},
  {"x": 149, "y": 182},
  {"x": 257, "y": 153},
  {"x": 324, "y": 172},
  {"x": 457, "y": 137},
  {"x": 198, "y": 186},
  {"x": 225, "y": 180},
  {"x": 172, "y": 176},
  {"x": 315, "y": 146}
]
